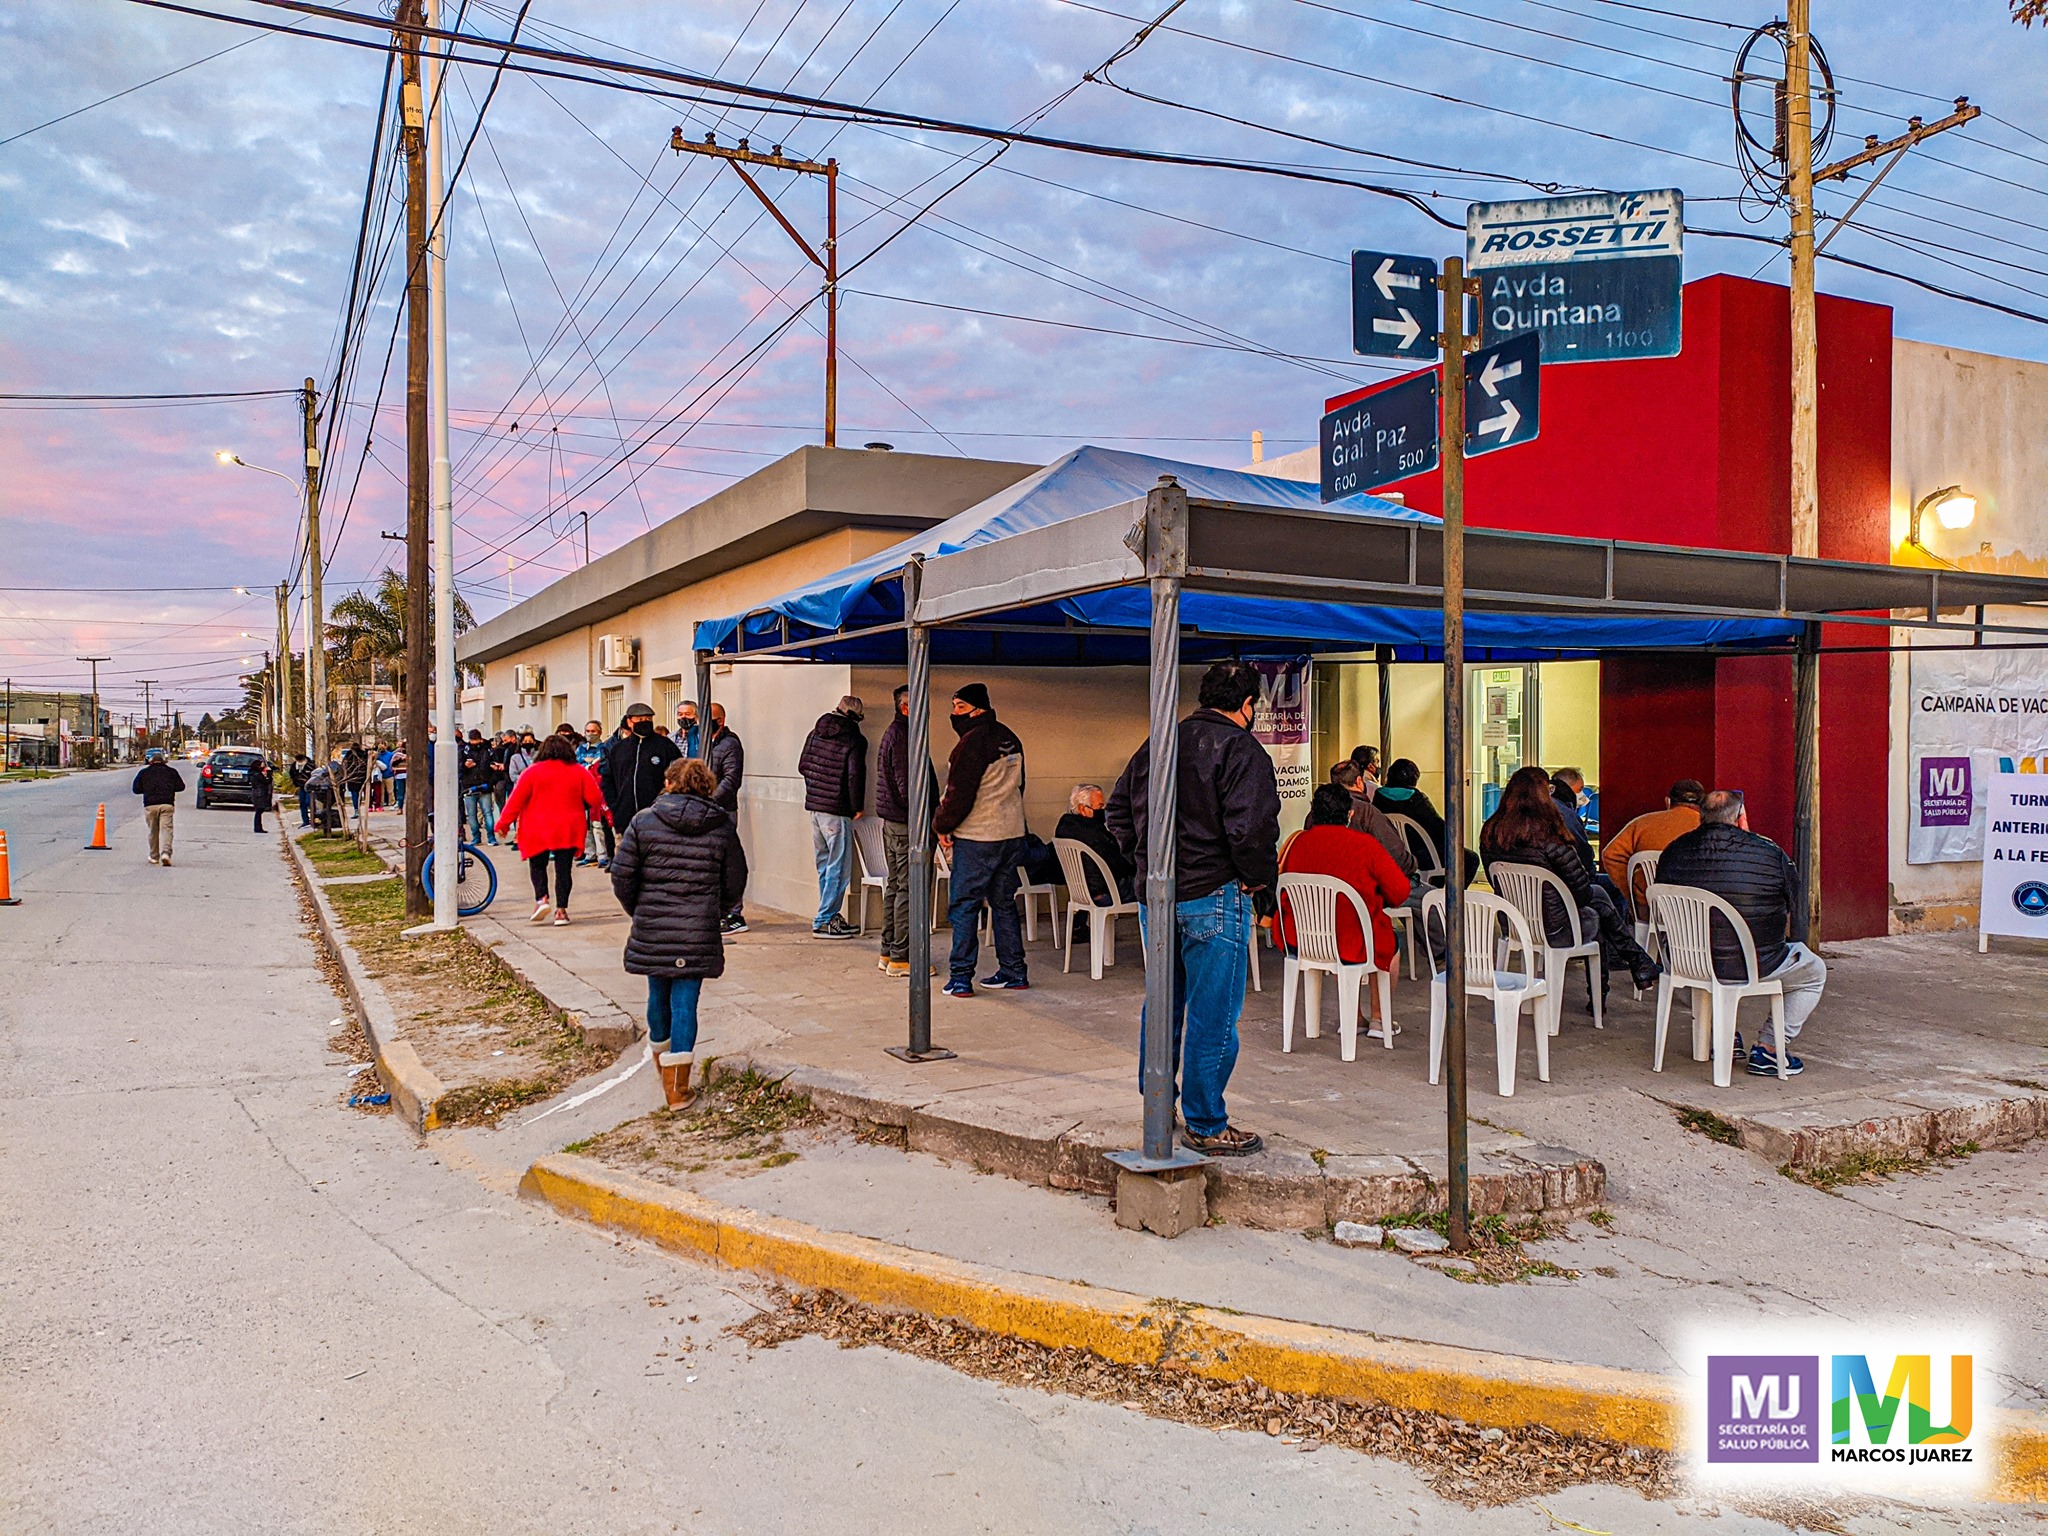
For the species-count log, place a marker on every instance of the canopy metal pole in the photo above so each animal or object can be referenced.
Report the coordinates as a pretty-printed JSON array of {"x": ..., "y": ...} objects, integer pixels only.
[
  {"x": 703, "y": 706},
  {"x": 920, "y": 1047},
  {"x": 1453, "y": 458},
  {"x": 1806, "y": 773},
  {"x": 1383, "y": 655}
]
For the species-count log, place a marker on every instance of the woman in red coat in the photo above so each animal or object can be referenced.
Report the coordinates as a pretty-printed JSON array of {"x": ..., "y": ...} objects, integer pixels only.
[
  {"x": 553, "y": 802},
  {"x": 1328, "y": 846}
]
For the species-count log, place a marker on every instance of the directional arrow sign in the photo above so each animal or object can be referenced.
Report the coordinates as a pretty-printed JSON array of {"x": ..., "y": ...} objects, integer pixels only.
[
  {"x": 1501, "y": 394},
  {"x": 1393, "y": 305}
]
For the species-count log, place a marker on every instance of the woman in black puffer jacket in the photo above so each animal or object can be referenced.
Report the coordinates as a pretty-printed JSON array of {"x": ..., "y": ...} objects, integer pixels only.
[
  {"x": 1528, "y": 828},
  {"x": 678, "y": 870}
]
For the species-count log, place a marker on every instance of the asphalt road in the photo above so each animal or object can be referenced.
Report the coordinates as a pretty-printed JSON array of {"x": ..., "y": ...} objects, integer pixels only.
[{"x": 227, "y": 1303}]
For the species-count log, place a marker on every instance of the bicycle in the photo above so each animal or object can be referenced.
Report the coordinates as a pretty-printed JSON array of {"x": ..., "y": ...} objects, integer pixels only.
[{"x": 476, "y": 879}]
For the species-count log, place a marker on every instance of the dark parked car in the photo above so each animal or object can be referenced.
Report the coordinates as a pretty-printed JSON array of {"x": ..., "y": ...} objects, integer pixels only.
[{"x": 224, "y": 777}]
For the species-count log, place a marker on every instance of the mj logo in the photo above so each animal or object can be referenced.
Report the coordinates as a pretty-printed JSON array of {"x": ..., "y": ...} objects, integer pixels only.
[{"x": 1763, "y": 1408}]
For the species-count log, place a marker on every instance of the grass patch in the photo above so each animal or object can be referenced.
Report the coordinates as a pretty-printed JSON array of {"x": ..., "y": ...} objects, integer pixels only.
[
  {"x": 1496, "y": 1256},
  {"x": 1705, "y": 1122},
  {"x": 1604, "y": 1220},
  {"x": 338, "y": 856},
  {"x": 741, "y": 1118},
  {"x": 1874, "y": 1167},
  {"x": 2024, "y": 1082}
]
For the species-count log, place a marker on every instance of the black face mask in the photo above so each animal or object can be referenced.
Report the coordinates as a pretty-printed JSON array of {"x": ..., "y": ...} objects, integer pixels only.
[
  {"x": 643, "y": 727},
  {"x": 962, "y": 724}
]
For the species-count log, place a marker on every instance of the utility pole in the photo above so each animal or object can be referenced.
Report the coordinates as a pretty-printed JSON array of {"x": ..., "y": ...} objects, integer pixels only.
[
  {"x": 147, "y": 684},
  {"x": 1455, "y": 286},
  {"x": 316, "y": 629},
  {"x": 95, "y": 661},
  {"x": 739, "y": 158},
  {"x": 418, "y": 659},
  {"x": 447, "y": 805},
  {"x": 284, "y": 667}
]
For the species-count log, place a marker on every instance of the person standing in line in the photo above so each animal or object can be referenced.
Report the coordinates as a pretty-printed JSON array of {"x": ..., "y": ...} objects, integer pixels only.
[
  {"x": 1226, "y": 852},
  {"x": 396, "y": 765},
  {"x": 262, "y": 794},
  {"x": 678, "y": 870},
  {"x": 474, "y": 777},
  {"x": 980, "y": 822},
  {"x": 726, "y": 756},
  {"x": 686, "y": 727},
  {"x": 892, "y": 806},
  {"x": 551, "y": 804},
  {"x": 834, "y": 767},
  {"x": 591, "y": 748},
  {"x": 159, "y": 784},
  {"x": 633, "y": 773},
  {"x": 301, "y": 771}
]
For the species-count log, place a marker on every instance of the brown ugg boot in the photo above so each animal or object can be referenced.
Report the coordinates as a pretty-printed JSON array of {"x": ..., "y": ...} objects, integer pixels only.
[{"x": 675, "y": 1078}]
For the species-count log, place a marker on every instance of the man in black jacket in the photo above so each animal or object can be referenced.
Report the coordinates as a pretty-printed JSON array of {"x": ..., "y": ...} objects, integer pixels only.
[
  {"x": 834, "y": 766},
  {"x": 1226, "y": 849},
  {"x": 1083, "y": 823},
  {"x": 159, "y": 784},
  {"x": 727, "y": 759},
  {"x": 633, "y": 771},
  {"x": 1752, "y": 874}
]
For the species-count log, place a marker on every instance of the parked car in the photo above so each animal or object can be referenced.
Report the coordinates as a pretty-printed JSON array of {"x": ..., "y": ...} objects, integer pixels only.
[{"x": 224, "y": 777}]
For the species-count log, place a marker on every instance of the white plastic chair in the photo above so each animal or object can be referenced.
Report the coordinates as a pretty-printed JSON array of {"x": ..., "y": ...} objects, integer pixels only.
[
  {"x": 1430, "y": 860},
  {"x": 1636, "y": 883},
  {"x": 874, "y": 864},
  {"x": 1075, "y": 857},
  {"x": 1509, "y": 990},
  {"x": 1029, "y": 894},
  {"x": 1684, "y": 917},
  {"x": 1311, "y": 902},
  {"x": 1523, "y": 886}
]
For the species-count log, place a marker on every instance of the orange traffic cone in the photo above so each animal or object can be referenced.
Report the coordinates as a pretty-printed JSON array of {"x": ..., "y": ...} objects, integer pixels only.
[
  {"x": 7, "y": 896},
  {"x": 99, "y": 832}
]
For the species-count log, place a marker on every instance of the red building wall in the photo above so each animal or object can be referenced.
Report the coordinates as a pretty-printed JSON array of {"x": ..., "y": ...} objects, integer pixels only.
[{"x": 1695, "y": 449}]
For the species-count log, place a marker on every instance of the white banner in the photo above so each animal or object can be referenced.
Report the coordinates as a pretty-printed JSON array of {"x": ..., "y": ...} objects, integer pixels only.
[
  {"x": 1972, "y": 714},
  {"x": 1281, "y": 723},
  {"x": 2015, "y": 897}
]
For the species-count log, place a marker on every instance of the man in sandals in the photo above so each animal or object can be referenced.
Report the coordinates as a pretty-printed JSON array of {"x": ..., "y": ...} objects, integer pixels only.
[{"x": 1226, "y": 850}]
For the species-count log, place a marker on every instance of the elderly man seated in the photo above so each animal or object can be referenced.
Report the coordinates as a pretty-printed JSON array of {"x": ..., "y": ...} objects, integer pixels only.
[
  {"x": 1752, "y": 874},
  {"x": 1083, "y": 823}
]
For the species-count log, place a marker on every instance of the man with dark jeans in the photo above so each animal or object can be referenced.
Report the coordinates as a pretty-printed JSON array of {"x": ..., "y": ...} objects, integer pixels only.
[
  {"x": 1226, "y": 850},
  {"x": 834, "y": 768},
  {"x": 892, "y": 808},
  {"x": 980, "y": 822}
]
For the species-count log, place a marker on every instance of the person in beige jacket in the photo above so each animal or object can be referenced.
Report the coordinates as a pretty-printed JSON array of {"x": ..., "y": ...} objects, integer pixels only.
[
  {"x": 980, "y": 822},
  {"x": 1652, "y": 832}
]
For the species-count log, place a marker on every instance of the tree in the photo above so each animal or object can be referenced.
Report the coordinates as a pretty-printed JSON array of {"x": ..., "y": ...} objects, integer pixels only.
[
  {"x": 2027, "y": 12},
  {"x": 366, "y": 632}
]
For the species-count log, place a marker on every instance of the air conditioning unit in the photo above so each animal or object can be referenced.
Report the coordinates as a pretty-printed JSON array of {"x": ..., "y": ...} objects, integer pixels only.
[
  {"x": 530, "y": 679},
  {"x": 618, "y": 656}
]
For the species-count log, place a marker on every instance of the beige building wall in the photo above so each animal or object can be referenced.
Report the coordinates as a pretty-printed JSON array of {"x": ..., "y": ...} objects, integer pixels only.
[{"x": 1975, "y": 420}]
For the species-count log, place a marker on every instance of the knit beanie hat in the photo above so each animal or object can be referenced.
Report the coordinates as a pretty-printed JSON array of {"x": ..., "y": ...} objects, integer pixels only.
[{"x": 974, "y": 695}]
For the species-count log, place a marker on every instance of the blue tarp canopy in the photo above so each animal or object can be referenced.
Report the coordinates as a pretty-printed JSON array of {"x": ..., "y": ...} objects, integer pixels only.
[{"x": 855, "y": 614}]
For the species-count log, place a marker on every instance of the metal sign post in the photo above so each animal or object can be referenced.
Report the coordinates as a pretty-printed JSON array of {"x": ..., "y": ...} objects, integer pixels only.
[{"x": 1455, "y": 286}]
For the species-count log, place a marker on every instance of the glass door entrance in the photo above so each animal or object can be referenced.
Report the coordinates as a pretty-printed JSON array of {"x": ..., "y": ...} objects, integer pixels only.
[{"x": 1499, "y": 710}]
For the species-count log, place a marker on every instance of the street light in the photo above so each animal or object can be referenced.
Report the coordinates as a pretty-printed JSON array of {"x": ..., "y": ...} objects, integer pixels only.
[
  {"x": 1952, "y": 506},
  {"x": 283, "y": 663}
]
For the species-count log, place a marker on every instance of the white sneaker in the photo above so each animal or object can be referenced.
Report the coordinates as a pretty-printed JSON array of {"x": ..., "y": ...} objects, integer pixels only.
[
  {"x": 561, "y": 919},
  {"x": 541, "y": 911}
]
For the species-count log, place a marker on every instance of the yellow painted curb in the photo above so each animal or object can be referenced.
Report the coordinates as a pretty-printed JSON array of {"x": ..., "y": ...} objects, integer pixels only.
[{"x": 1478, "y": 1386}]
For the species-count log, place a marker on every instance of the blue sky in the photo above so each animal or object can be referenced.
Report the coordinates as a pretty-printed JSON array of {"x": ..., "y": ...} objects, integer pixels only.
[{"x": 197, "y": 234}]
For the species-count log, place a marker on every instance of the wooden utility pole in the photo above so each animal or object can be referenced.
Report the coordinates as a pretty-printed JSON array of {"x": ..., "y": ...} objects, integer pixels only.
[
  {"x": 316, "y": 631},
  {"x": 284, "y": 668},
  {"x": 739, "y": 158},
  {"x": 419, "y": 658},
  {"x": 1805, "y": 444}
]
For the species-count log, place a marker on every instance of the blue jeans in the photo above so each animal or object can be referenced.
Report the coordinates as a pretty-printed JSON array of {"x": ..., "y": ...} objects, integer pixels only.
[
  {"x": 986, "y": 872},
  {"x": 483, "y": 814},
  {"x": 1211, "y": 954},
  {"x": 672, "y": 1012},
  {"x": 398, "y": 789},
  {"x": 305, "y": 807},
  {"x": 832, "y": 847}
]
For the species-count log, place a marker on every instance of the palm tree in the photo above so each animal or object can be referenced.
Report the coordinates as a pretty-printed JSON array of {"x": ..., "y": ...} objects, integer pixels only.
[{"x": 366, "y": 631}]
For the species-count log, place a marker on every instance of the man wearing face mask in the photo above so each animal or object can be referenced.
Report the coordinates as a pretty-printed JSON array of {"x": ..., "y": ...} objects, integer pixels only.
[
  {"x": 980, "y": 822},
  {"x": 635, "y": 766},
  {"x": 1568, "y": 791}
]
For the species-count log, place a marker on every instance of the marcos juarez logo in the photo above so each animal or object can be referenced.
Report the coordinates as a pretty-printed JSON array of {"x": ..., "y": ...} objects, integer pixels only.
[{"x": 1765, "y": 1409}]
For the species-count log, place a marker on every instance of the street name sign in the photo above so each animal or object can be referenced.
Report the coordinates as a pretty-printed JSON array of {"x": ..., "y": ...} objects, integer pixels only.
[
  {"x": 1393, "y": 305},
  {"x": 1501, "y": 394},
  {"x": 1389, "y": 435},
  {"x": 1597, "y": 276},
  {"x": 1397, "y": 431}
]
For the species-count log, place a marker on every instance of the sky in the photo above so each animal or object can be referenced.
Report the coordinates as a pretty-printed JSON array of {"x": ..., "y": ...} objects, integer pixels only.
[{"x": 629, "y": 331}]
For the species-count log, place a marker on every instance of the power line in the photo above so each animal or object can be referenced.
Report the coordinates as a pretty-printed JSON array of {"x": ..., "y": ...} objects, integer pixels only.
[{"x": 215, "y": 394}]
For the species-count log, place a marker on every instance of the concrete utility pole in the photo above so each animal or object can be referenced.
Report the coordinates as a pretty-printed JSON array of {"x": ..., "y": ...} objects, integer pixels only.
[
  {"x": 95, "y": 661},
  {"x": 418, "y": 659},
  {"x": 316, "y": 630},
  {"x": 147, "y": 684},
  {"x": 739, "y": 158},
  {"x": 284, "y": 667}
]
